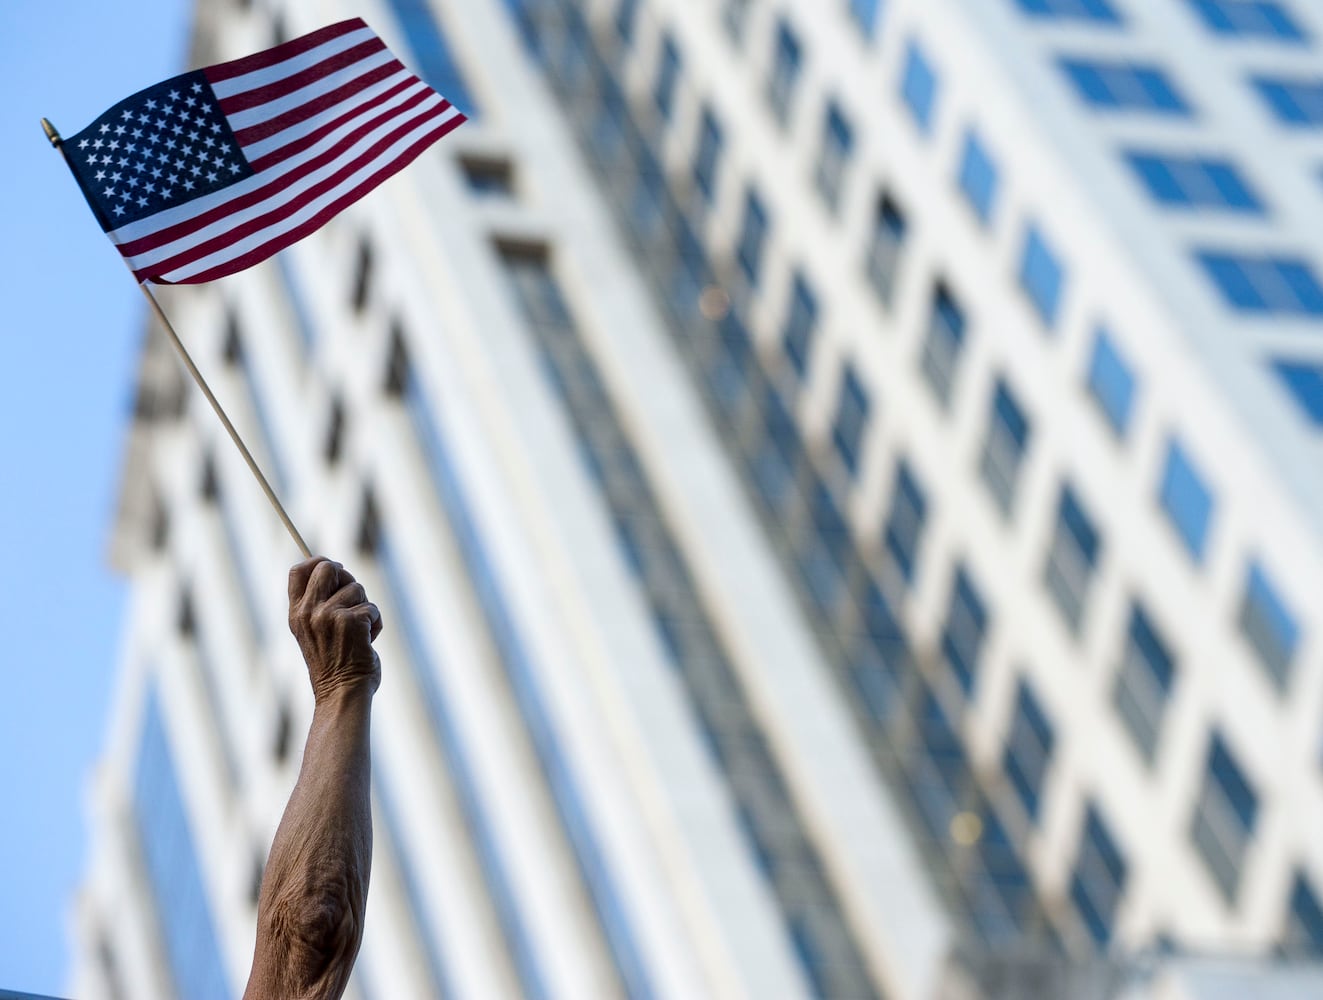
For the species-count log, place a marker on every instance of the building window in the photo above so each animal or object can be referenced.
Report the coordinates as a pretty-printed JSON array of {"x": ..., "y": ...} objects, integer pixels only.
[
  {"x": 1295, "y": 102},
  {"x": 904, "y": 531},
  {"x": 627, "y": 16},
  {"x": 362, "y": 286},
  {"x": 735, "y": 14},
  {"x": 864, "y": 13},
  {"x": 1224, "y": 818},
  {"x": 1186, "y": 500},
  {"x": 847, "y": 430},
  {"x": 1099, "y": 878},
  {"x": 486, "y": 175},
  {"x": 174, "y": 873},
  {"x": 1264, "y": 285},
  {"x": 1004, "y": 449},
  {"x": 1028, "y": 749},
  {"x": 963, "y": 633},
  {"x": 333, "y": 447},
  {"x": 431, "y": 54},
  {"x": 753, "y": 237},
  {"x": 1081, "y": 10},
  {"x": 884, "y": 248},
  {"x": 1268, "y": 625},
  {"x": 1072, "y": 558},
  {"x": 801, "y": 322},
  {"x": 941, "y": 347},
  {"x": 1041, "y": 275},
  {"x": 1303, "y": 936},
  {"x": 1111, "y": 383},
  {"x": 978, "y": 177},
  {"x": 708, "y": 155},
  {"x": 1143, "y": 682},
  {"x": 1112, "y": 85},
  {"x": 837, "y": 142},
  {"x": 668, "y": 76},
  {"x": 1248, "y": 18},
  {"x": 1305, "y": 383},
  {"x": 1194, "y": 182},
  {"x": 786, "y": 61},
  {"x": 918, "y": 86}
]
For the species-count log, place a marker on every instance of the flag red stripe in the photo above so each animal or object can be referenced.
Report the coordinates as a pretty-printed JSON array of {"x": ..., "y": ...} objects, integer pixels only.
[
  {"x": 297, "y": 146},
  {"x": 279, "y": 242},
  {"x": 256, "y": 133},
  {"x": 162, "y": 237},
  {"x": 288, "y": 84},
  {"x": 290, "y": 206},
  {"x": 261, "y": 60}
]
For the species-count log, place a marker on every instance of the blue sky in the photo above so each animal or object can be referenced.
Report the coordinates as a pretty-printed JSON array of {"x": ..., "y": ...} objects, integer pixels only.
[{"x": 72, "y": 324}]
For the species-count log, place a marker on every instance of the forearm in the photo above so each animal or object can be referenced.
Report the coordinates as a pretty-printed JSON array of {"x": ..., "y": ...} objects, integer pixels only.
[{"x": 310, "y": 914}]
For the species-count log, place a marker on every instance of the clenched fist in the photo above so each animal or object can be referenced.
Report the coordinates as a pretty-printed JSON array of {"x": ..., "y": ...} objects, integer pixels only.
[{"x": 335, "y": 624}]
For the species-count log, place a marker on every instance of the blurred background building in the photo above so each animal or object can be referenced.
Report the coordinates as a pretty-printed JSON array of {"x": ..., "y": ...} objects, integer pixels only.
[{"x": 844, "y": 482}]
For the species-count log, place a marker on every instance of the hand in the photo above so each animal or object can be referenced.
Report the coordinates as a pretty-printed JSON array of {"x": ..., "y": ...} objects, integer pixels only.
[{"x": 335, "y": 624}]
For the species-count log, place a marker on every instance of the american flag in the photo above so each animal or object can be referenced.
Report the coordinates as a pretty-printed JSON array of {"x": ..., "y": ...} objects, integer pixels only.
[{"x": 212, "y": 171}]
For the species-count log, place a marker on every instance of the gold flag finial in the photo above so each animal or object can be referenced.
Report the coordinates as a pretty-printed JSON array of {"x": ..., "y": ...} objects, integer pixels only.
[{"x": 51, "y": 134}]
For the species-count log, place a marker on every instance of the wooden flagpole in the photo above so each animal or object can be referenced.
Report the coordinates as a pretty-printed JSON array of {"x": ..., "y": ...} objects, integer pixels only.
[{"x": 58, "y": 143}]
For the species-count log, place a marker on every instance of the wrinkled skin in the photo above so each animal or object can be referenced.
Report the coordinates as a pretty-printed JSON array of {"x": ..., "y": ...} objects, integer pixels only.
[{"x": 314, "y": 890}]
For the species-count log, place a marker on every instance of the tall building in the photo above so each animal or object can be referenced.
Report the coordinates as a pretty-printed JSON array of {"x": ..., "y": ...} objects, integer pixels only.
[{"x": 844, "y": 483}]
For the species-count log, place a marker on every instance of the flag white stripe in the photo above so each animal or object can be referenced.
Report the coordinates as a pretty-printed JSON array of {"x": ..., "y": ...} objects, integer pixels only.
[
  {"x": 363, "y": 175},
  {"x": 256, "y": 150},
  {"x": 294, "y": 64},
  {"x": 182, "y": 213},
  {"x": 281, "y": 194},
  {"x": 271, "y": 109}
]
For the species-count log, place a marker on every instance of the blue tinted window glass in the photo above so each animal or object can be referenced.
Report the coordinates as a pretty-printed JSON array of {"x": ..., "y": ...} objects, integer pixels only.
[
  {"x": 966, "y": 624},
  {"x": 1079, "y": 527},
  {"x": 865, "y": 14},
  {"x": 1111, "y": 382},
  {"x": 1304, "y": 925},
  {"x": 1009, "y": 415},
  {"x": 1028, "y": 748},
  {"x": 1186, "y": 500},
  {"x": 837, "y": 142},
  {"x": 1146, "y": 642},
  {"x": 919, "y": 86},
  {"x": 753, "y": 235},
  {"x": 1226, "y": 774},
  {"x": 1266, "y": 284},
  {"x": 626, "y": 18},
  {"x": 1250, "y": 18},
  {"x": 800, "y": 324},
  {"x": 1305, "y": 383},
  {"x": 174, "y": 873},
  {"x": 785, "y": 71},
  {"x": 1041, "y": 275},
  {"x": 1269, "y": 624},
  {"x": 435, "y": 63},
  {"x": 668, "y": 75},
  {"x": 708, "y": 154},
  {"x": 1143, "y": 682},
  {"x": 1099, "y": 878},
  {"x": 851, "y": 419},
  {"x": 1004, "y": 449},
  {"x": 1083, "y": 10},
  {"x": 1194, "y": 182},
  {"x": 1295, "y": 102},
  {"x": 978, "y": 176},
  {"x": 905, "y": 524},
  {"x": 1117, "y": 85}
]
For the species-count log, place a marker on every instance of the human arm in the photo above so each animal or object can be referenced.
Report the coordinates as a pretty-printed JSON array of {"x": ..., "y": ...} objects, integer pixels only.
[{"x": 314, "y": 889}]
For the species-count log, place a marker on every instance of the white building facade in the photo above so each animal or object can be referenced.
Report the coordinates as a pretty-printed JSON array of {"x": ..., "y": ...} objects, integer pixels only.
[{"x": 844, "y": 484}]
